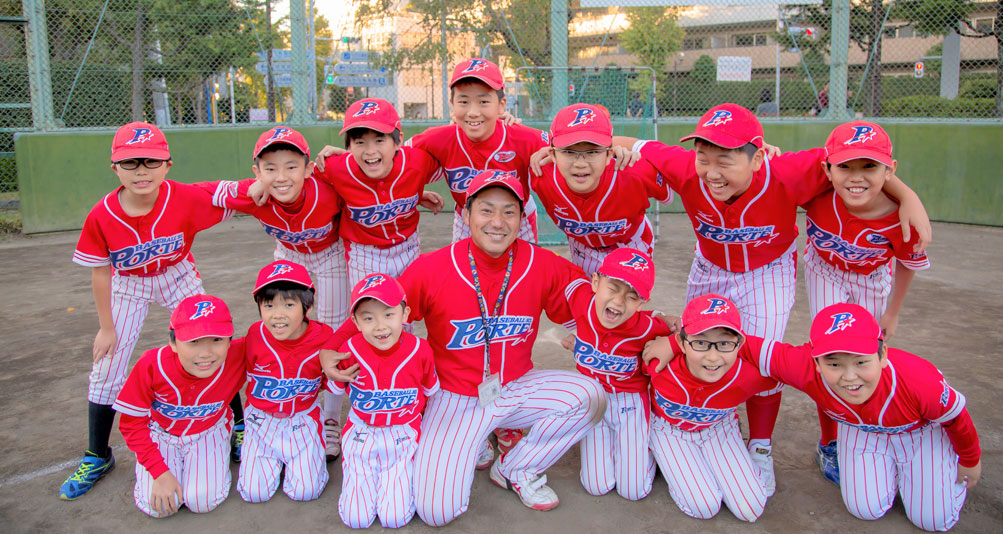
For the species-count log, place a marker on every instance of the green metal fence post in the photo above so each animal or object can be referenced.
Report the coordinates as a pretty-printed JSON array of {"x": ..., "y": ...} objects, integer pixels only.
[
  {"x": 838, "y": 64},
  {"x": 301, "y": 70},
  {"x": 39, "y": 73},
  {"x": 559, "y": 54}
]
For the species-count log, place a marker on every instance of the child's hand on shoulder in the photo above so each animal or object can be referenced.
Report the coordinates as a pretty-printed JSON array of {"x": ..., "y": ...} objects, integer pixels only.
[
  {"x": 569, "y": 342},
  {"x": 657, "y": 349},
  {"x": 325, "y": 153},
  {"x": 539, "y": 159},
  {"x": 889, "y": 323},
  {"x": 257, "y": 193},
  {"x": 432, "y": 201},
  {"x": 625, "y": 157},
  {"x": 508, "y": 119},
  {"x": 329, "y": 360},
  {"x": 673, "y": 322},
  {"x": 165, "y": 496},
  {"x": 969, "y": 476}
]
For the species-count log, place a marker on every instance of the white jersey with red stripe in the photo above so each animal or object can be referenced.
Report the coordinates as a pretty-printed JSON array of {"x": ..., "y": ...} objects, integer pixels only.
[
  {"x": 381, "y": 212},
  {"x": 174, "y": 421},
  {"x": 855, "y": 244},
  {"x": 149, "y": 243},
  {"x": 308, "y": 225},
  {"x": 761, "y": 224},
  {"x": 610, "y": 215}
]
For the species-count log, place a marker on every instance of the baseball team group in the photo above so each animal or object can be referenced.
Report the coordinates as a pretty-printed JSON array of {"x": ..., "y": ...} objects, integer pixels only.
[{"x": 652, "y": 390}]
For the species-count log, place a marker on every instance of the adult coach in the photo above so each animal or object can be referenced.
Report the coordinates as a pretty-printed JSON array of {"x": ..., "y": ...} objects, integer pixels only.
[{"x": 487, "y": 376}]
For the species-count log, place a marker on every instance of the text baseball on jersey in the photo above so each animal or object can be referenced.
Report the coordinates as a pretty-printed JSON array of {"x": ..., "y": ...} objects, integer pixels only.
[
  {"x": 469, "y": 333},
  {"x": 599, "y": 362}
]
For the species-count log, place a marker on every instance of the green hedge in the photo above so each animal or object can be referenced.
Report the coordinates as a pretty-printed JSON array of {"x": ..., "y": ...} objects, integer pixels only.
[{"x": 934, "y": 106}]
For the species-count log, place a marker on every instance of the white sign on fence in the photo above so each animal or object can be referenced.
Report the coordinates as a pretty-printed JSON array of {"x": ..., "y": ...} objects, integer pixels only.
[
  {"x": 278, "y": 67},
  {"x": 360, "y": 81},
  {"x": 283, "y": 80},
  {"x": 281, "y": 55},
  {"x": 258, "y": 115},
  {"x": 734, "y": 69},
  {"x": 357, "y": 56},
  {"x": 358, "y": 68}
]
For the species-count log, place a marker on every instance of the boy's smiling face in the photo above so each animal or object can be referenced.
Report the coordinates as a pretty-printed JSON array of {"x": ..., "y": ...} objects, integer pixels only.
[
  {"x": 380, "y": 325},
  {"x": 858, "y": 182},
  {"x": 582, "y": 165},
  {"x": 374, "y": 153},
  {"x": 283, "y": 172},
  {"x": 853, "y": 377},
  {"x": 475, "y": 107},
  {"x": 727, "y": 173},
  {"x": 615, "y": 300},
  {"x": 201, "y": 357}
]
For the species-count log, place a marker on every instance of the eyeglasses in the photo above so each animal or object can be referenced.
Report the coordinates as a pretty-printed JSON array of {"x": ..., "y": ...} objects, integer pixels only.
[
  {"x": 589, "y": 155},
  {"x": 701, "y": 345},
  {"x": 133, "y": 164}
]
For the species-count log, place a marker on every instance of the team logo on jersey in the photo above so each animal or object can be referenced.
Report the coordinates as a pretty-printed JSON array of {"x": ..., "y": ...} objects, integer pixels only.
[
  {"x": 459, "y": 178},
  {"x": 582, "y": 116},
  {"x": 848, "y": 252},
  {"x": 692, "y": 414},
  {"x": 583, "y": 228},
  {"x": 601, "y": 363},
  {"x": 637, "y": 262},
  {"x": 140, "y": 135},
  {"x": 367, "y": 109},
  {"x": 877, "y": 239},
  {"x": 372, "y": 280},
  {"x": 282, "y": 389},
  {"x": 370, "y": 216},
  {"x": 203, "y": 308},
  {"x": 298, "y": 238},
  {"x": 861, "y": 134},
  {"x": 719, "y": 117},
  {"x": 383, "y": 400},
  {"x": 841, "y": 321},
  {"x": 505, "y": 156},
  {"x": 475, "y": 66},
  {"x": 469, "y": 333},
  {"x": 945, "y": 395},
  {"x": 279, "y": 269},
  {"x": 182, "y": 411},
  {"x": 716, "y": 306},
  {"x": 136, "y": 256},
  {"x": 757, "y": 235},
  {"x": 871, "y": 428},
  {"x": 280, "y": 133},
  {"x": 545, "y": 137}
]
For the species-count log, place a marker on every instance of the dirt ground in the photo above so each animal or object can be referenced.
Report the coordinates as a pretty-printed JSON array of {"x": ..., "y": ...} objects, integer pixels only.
[{"x": 952, "y": 317}]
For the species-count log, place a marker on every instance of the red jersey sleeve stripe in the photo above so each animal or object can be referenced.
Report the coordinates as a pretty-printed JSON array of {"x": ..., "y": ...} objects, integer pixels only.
[
  {"x": 956, "y": 409},
  {"x": 88, "y": 260},
  {"x": 765, "y": 358},
  {"x": 129, "y": 409}
]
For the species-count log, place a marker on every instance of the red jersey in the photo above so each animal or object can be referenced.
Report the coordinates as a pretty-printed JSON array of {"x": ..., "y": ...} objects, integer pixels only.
[
  {"x": 381, "y": 212},
  {"x": 285, "y": 376},
  {"x": 613, "y": 357},
  {"x": 160, "y": 390},
  {"x": 392, "y": 385},
  {"x": 858, "y": 245},
  {"x": 759, "y": 226},
  {"x": 149, "y": 243},
  {"x": 692, "y": 404},
  {"x": 911, "y": 393},
  {"x": 611, "y": 214},
  {"x": 310, "y": 224},
  {"x": 507, "y": 149}
]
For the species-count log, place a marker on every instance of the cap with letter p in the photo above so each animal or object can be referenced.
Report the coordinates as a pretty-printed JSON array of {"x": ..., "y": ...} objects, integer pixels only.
[
  {"x": 281, "y": 135},
  {"x": 711, "y": 311},
  {"x": 480, "y": 69},
  {"x": 139, "y": 140},
  {"x": 490, "y": 178},
  {"x": 379, "y": 286},
  {"x": 728, "y": 126},
  {"x": 201, "y": 316},
  {"x": 282, "y": 271},
  {"x": 581, "y": 123},
  {"x": 373, "y": 113},
  {"x": 858, "y": 140},
  {"x": 631, "y": 266},
  {"x": 844, "y": 328}
]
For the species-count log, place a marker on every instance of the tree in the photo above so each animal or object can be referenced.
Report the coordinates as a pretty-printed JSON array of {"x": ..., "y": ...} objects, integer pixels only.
[
  {"x": 704, "y": 69},
  {"x": 653, "y": 35}
]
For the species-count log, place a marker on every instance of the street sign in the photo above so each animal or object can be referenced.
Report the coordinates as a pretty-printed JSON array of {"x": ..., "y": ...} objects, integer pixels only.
[
  {"x": 281, "y": 55},
  {"x": 278, "y": 67},
  {"x": 734, "y": 69},
  {"x": 284, "y": 80},
  {"x": 360, "y": 81},
  {"x": 358, "y": 68},
  {"x": 357, "y": 56}
]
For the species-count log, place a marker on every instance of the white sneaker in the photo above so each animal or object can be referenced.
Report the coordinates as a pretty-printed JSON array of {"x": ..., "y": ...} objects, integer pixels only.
[
  {"x": 535, "y": 493},
  {"x": 332, "y": 437},
  {"x": 762, "y": 457},
  {"x": 486, "y": 456}
]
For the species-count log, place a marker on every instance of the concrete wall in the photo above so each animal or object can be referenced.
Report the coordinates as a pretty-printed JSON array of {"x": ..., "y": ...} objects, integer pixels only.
[{"x": 953, "y": 167}]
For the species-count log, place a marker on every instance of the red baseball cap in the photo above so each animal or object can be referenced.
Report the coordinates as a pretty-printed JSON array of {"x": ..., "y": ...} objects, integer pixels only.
[
  {"x": 201, "y": 316},
  {"x": 844, "y": 328},
  {"x": 139, "y": 140},
  {"x": 373, "y": 113},
  {"x": 581, "y": 122},
  {"x": 728, "y": 126},
  {"x": 856, "y": 140},
  {"x": 711, "y": 311},
  {"x": 282, "y": 271},
  {"x": 489, "y": 178},
  {"x": 379, "y": 286},
  {"x": 283, "y": 135},
  {"x": 481, "y": 69},
  {"x": 632, "y": 267}
]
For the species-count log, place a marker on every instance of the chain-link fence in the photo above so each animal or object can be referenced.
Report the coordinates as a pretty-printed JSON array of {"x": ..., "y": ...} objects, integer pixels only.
[{"x": 199, "y": 62}]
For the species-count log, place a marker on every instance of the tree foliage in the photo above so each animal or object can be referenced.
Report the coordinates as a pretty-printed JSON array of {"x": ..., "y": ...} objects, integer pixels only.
[{"x": 653, "y": 35}]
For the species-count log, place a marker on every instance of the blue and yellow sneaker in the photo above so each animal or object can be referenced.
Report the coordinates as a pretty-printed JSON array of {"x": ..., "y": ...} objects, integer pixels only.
[
  {"x": 236, "y": 442},
  {"x": 828, "y": 462},
  {"x": 91, "y": 469}
]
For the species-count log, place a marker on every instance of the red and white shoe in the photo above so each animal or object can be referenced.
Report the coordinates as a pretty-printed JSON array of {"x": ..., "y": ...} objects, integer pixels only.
[
  {"x": 534, "y": 493},
  {"x": 486, "y": 457},
  {"x": 507, "y": 438}
]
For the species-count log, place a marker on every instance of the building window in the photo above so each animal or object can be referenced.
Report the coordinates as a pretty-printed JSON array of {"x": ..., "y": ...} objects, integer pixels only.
[
  {"x": 984, "y": 25},
  {"x": 693, "y": 43},
  {"x": 889, "y": 33},
  {"x": 717, "y": 42},
  {"x": 906, "y": 32},
  {"x": 742, "y": 40},
  {"x": 760, "y": 40}
]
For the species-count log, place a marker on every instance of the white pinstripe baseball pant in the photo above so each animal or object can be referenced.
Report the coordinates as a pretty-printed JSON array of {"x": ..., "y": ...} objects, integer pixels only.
[
  {"x": 378, "y": 469},
  {"x": 828, "y": 285},
  {"x": 920, "y": 465},
  {"x": 615, "y": 452},
  {"x": 130, "y": 302},
  {"x": 590, "y": 259},
  {"x": 364, "y": 260},
  {"x": 271, "y": 442},
  {"x": 200, "y": 462},
  {"x": 705, "y": 467},
  {"x": 560, "y": 406}
]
